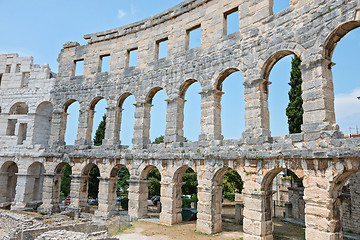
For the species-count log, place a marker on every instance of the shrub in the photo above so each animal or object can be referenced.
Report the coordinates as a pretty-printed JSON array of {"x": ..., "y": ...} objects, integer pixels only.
[
  {"x": 229, "y": 196},
  {"x": 125, "y": 203},
  {"x": 186, "y": 202}
]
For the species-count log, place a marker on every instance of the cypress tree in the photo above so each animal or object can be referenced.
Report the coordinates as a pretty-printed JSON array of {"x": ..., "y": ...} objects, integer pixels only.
[
  {"x": 295, "y": 111},
  {"x": 100, "y": 132}
]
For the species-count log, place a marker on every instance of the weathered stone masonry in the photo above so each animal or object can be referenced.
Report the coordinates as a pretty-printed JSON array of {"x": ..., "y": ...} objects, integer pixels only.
[{"x": 319, "y": 154}]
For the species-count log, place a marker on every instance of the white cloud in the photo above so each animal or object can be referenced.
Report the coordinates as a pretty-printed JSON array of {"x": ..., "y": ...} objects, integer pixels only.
[
  {"x": 121, "y": 13},
  {"x": 347, "y": 105}
]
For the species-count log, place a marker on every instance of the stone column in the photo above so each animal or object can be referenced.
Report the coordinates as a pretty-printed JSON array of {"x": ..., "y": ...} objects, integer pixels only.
[
  {"x": 113, "y": 124},
  {"x": 171, "y": 203},
  {"x": 211, "y": 115},
  {"x": 141, "y": 125},
  {"x": 322, "y": 216},
  {"x": 209, "y": 209},
  {"x": 107, "y": 197},
  {"x": 85, "y": 126},
  {"x": 51, "y": 193},
  {"x": 138, "y": 198},
  {"x": 24, "y": 187},
  {"x": 79, "y": 192},
  {"x": 175, "y": 120},
  {"x": 257, "y": 122},
  {"x": 58, "y": 128},
  {"x": 257, "y": 221},
  {"x": 318, "y": 97}
]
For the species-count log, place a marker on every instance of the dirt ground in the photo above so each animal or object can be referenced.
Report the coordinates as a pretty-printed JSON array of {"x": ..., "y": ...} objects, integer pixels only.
[{"x": 142, "y": 230}]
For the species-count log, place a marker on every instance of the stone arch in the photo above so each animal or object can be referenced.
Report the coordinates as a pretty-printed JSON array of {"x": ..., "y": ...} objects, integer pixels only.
[
  {"x": 122, "y": 114},
  {"x": 95, "y": 101},
  {"x": 146, "y": 171},
  {"x": 68, "y": 103},
  {"x": 185, "y": 86},
  {"x": 42, "y": 124},
  {"x": 19, "y": 108},
  {"x": 87, "y": 168},
  {"x": 122, "y": 98},
  {"x": 64, "y": 131},
  {"x": 331, "y": 35},
  {"x": 339, "y": 181},
  {"x": 269, "y": 176},
  {"x": 59, "y": 167},
  {"x": 223, "y": 75},
  {"x": 35, "y": 180},
  {"x": 151, "y": 94},
  {"x": 115, "y": 170},
  {"x": 271, "y": 60},
  {"x": 9, "y": 181}
]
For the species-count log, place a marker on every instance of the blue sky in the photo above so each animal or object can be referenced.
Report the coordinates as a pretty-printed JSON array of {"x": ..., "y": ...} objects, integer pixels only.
[{"x": 39, "y": 28}]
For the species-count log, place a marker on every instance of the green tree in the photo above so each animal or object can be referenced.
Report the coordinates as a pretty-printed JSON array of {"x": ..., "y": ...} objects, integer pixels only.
[
  {"x": 154, "y": 185},
  {"x": 100, "y": 132},
  {"x": 94, "y": 182},
  {"x": 295, "y": 111},
  {"x": 65, "y": 180},
  {"x": 232, "y": 182},
  {"x": 158, "y": 140},
  {"x": 191, "y": 183},
  {"x": 122, "y": 184}
]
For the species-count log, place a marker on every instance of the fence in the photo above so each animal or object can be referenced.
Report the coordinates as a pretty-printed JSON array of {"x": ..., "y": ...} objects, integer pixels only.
[{"x": 119, "y": 223}]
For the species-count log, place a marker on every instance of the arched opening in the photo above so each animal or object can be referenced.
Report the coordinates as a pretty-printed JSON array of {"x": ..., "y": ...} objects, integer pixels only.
[
  {"x": 35, "y": 182},
  {"x": 150, "y": 179},
  {"x": 126, "y": 118},
  {"x": 121, "y": 175},
  {"x": 184, "y": 195},
  {"x": 8, "y": 179},
  {"x": 342, "y": 48},
  {"x": 345, "y": 192},
  {"x": 226, "y": 199},
  {"x": 62, "y": 184},
  {"x": 19, "y": 108},
  {"x": 279, "y": 5},
  {"x": 157, "y": 97},
  {"x": 42, "y": 125},
  {"x": 283, "y": 198},
  {"x": 230, "y": 83},
  {"x": 71, "y": 109},
  {"x": 189, "y": 91},
  {"x": 90, "y": 186},
  {"x": 278, "y": 89},
  {"x": 97, "y": 120}
]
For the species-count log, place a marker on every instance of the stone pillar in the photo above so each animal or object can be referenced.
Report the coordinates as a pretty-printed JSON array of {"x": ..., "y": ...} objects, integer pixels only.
[
  {"x": 85, "y": 126},
  {"x": 24, "y": 187},
  {"x": 211, "y": 115},
  {"x": 175, "y": 120},
  {"x": 171, "y": 203},
  {"x": 141, "y": 125},
  {"x": 58, "y": 128},
  {"x": 209, "y": 209},
  {"x": 318, "y": 97},
  {"x": 322, "y": 217},
  {"x": 138, "y": 198},
  {"x": 107, "y": 197},
  {"x": 113, "y": 124},
  {"x": 257, "y": 221},
  {"x": 51, "y": 193},
  {"x": 79, "y": 192},
  {"x": 257, "y": 123}
]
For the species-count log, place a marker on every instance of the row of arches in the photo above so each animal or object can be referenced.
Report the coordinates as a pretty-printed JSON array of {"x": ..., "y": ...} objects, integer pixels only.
[{"x": 139, "y": 192}]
